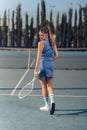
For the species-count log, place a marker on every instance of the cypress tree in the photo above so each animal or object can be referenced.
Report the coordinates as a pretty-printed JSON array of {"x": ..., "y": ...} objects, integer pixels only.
[
  {"x": 85, "y": 25},
  {"x": 75, "y": 29},
  {"x": 38, "y": 24},
  {"x": 0, "y": 33},
  {"x": 26, "y": 34},
  {"x": 13, "y": 31},
  {"x": 69, "y": 29},
  {"x": 80, "y": 28},
  {"x": 4, "y": 30},
  {"x": 18, "y": 26},
  {"x": 43, "y": 13},
  {"x": 31, "y": 33},
  {"x": 51, "y": 22},
  {"x": 57, "y": 31},
  {"x": 63, "y": 30}
]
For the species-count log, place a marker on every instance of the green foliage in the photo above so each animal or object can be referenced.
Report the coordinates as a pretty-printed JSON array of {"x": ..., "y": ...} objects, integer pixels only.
[
  {"x": 80, "y": 28},
  {"x": 18, "y": 26},
  {"x": 4, "y": 30},
  {"x": 43, "y": 13},
  {"x": 75, "y": 30},
  {"x": 85, "y": 25},
  {"x": 38, "y": 25},
  {"x": 65, "y": 33},
  {"x": 63, "y": 30},
  {"x": 31, "y": 33},
  {"x": 57, "y": 31},
  {"x": 26, "y": 32},
  {"x": 13, "y": 31},
  {"x": 51, "y": 22},
  {"x": 0, "y": 36},
  {"x": 69, "y": 28}
]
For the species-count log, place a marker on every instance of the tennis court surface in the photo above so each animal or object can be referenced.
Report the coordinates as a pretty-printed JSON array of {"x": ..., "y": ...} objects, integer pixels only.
[{"x": 70, "y": 86}]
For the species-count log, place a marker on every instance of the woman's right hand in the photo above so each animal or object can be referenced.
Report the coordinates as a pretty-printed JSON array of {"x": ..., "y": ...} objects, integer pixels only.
[
  {"x": 55, "y": 57},
  {"x": 35, "y": 73}
]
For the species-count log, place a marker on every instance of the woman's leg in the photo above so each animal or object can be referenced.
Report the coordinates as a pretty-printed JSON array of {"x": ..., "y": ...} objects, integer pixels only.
[
  {"x": 51, "y": 94},
  {"x": 49, "y": 85},
  {"x": 43, "y": 83}
]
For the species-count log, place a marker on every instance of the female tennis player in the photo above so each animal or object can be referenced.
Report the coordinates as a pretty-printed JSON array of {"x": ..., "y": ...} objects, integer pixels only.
[{"x": 46, "y": 55}]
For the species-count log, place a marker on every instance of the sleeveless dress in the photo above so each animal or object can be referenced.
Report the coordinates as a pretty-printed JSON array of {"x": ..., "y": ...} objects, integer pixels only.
[{"x": 46, "y": 66}]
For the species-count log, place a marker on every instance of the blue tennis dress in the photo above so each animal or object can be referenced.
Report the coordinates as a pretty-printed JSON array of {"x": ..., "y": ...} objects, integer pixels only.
[{"x": 46, "y": 67}]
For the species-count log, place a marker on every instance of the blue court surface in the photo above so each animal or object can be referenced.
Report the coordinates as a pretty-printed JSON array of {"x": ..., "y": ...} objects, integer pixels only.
[{"x": 70, "y": 87}]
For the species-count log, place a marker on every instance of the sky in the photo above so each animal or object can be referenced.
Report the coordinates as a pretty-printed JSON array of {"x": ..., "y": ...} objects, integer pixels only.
[{"x": 30, "y": 6}]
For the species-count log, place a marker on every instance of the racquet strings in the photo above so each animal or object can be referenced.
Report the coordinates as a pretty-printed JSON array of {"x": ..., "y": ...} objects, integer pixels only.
[{"x": 27, "y": 89}]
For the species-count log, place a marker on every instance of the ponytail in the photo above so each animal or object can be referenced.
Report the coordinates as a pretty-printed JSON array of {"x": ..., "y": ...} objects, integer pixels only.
[{"x": 51, "y": 38}]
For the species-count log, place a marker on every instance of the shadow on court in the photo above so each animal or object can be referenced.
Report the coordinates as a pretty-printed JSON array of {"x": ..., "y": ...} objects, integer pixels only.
[{"x": 71, "y": 112}]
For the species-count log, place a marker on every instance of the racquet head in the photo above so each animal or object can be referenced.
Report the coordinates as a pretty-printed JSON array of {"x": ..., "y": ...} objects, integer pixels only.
[{"x": 27, "y": 89}]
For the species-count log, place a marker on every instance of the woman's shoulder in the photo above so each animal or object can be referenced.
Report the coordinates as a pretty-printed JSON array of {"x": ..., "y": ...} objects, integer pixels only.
[{"x": 40, "y": 43}]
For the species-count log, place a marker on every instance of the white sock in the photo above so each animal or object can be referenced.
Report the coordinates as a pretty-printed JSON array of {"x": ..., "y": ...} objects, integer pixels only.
[
  {"x": 51, "y": 98},
  {"x": 46, "y": 107}
]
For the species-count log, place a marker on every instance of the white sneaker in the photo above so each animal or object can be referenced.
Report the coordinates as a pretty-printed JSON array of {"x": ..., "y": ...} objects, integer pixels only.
[{"x": 45, "y": 108}]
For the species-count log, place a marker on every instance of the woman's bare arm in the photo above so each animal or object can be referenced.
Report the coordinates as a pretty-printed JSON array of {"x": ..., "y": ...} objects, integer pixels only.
[
  {"x": 55, "y": 52},
  {"x": 39, "y": 54}
]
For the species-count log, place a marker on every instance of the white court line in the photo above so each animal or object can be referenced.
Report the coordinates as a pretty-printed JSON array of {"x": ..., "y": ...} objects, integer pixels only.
[
  {"x": 22, "y": 78},
  {"x": 23, "y": 74},
  {"x": 38, "y": 95},
  {"x": 73, "y": 96},
  {"x": 19, "y": 82}
]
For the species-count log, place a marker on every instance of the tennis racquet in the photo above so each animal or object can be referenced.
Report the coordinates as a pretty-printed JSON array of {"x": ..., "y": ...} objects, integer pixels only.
[{"x": 27, "y": 89}]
